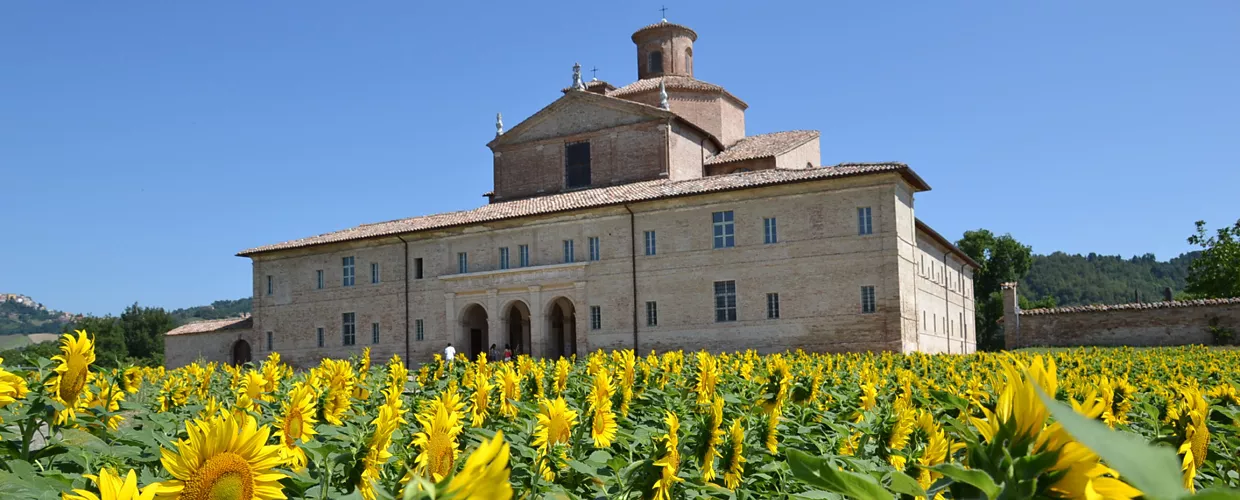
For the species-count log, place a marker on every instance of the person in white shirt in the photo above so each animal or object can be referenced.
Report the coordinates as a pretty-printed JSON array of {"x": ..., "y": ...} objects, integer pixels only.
[{"x": 449, "y": 352}]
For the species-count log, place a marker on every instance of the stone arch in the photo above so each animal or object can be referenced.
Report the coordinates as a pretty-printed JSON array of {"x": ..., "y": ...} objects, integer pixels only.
[
  {"x": 241, "y": 353},
  {"x": 689, "y": 61},
  {"x": 516, "y": 322},
  {"x": 473, "y": 321},
  {"x": 561, "y": 328}
]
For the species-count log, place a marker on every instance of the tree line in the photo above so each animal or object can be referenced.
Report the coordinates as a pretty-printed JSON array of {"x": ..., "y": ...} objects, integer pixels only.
[{"x": 1213, "y": 271}]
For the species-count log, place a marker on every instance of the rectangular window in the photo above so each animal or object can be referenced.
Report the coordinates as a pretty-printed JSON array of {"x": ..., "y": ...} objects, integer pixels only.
[
  {"x": 595, "y": 251},
  {"x": 347, "y": 264},
  {"x": 271, "y": 285},
  {"x": 577, "y": 165},
  {"x": 348, "y": 329},
  {"x": 319, "y": 331},
  {"x": 725, "y": 301},
  {"x": 417, "y": 268},
  {"x": 596, "y": 317},
  {"x": 769, "y": 232},
  {"x": 374, "y": 333},
  {"x": 318, "y": 279},
  {"x": 462, "y": 262},
  {"x": 418, "y": 330},
  {"x": 725, "y": 231},
  {"x": 374, "y": 272},
  {"x": 503, "y": 257},
  {"x": 864, "y": 223},
  {"x": 269, "y": 340},
  {"x": 772, "y": 306},
  {"x": 568, "y": 251},
  {"x": 867, "y": 299},
  {"x": 523, "y": 256},
  {"x": 652, "y": 314},
  {"x": 651, "y": 247}
]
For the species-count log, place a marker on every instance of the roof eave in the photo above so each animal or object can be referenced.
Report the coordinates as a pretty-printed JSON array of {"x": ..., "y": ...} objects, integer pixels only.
[{"x": 922, "y": 226}]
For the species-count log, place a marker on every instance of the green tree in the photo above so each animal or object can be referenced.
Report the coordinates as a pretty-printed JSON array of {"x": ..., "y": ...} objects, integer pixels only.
[
  {"x": 110, "y": 349},
  {"x": 144, "y": 329},
  {"x": 1216, "y": 273},
  {"x": 1002, "y": 260}
]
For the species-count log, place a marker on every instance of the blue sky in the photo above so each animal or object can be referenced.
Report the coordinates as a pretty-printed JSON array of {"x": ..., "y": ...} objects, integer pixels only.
[{"x": 142, "y": 144}]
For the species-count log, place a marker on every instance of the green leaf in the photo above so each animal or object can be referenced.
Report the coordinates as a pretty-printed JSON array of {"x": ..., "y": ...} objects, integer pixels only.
[
  {"x": 820, "y": 473},
  {"x": 1219, "y": 494},
  {"x": 817, "y": 494},
  {"x": 1153, "y": 470},
  {"x": 902, "y": 483},
  {"x": 974, "y": 478}
]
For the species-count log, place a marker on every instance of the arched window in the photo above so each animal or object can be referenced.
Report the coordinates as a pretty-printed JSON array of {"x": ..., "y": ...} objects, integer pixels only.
[
  {"x": 689, "y": 60},
  {"x": 655, "y": 63}
]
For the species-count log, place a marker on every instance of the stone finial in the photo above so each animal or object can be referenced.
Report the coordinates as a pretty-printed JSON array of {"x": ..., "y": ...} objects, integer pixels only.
[
  {"x": 663, "y": 96},
  {"x": 499, "y": 125},
  {"x": 1010, "y": 284},
  {"x": 577, "y": 83}
]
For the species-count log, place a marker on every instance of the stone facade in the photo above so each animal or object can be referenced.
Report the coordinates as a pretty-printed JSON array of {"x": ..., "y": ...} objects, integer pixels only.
[
  {"x": 1144, "y": 324},
  {"x": 228, "y": 340},
  {"x": 656, "y": 252}
]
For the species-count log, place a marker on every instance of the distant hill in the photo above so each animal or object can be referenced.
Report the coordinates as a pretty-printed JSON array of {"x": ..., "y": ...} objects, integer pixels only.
[
  {"x": 21, "y": 314},
  {"x": 1104, "y": 279},
  {"x": 217, "y": 310}
]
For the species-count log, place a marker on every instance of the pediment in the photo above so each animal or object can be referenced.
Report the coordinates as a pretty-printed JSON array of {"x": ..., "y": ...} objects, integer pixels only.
[{"x": 579, "y": 112}]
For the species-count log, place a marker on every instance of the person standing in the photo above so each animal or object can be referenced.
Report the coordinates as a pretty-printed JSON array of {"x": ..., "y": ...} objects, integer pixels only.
[
  {"x": 449, "y": 353},
  {"x": 507, "y": 352}
]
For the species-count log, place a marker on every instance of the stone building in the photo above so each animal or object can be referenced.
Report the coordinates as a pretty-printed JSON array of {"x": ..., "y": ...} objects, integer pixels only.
[{"x": 639, "y": 216}]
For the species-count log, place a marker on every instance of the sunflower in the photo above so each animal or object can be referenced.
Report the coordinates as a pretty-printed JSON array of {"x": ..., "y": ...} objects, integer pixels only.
[
  {"x": 555, "y": 426},
  {"x": 1196, "y": 435},
  {"x": 712, "y": 438},
  {"x": 480, "y": 382},
  {"x": 708, "y": 377},
  {"x": 76, "y": 355},
  {"x": 510, "y": 390},
  {"x": 225, "y": 457},
  {"x": 669, "y": 461},
  {"x": 12, "y": 387},
  {"x": 899, "y": 437},
  {"x": 112, "y": 487},
  {"x": 377, "y": 452},
  {"x": 602, "y": 422},
  {"x": 339, "y": 378},
  {"x": 436, "y": 442},
  {"x": 562, "y": 366},
  {"x": 107, "y": 397},
  {"x": 484, "y": 475},
  {"x": 296, "y": 423},
  {"x": 733, "y": 458},
  {"x": 132, "y": 379}
]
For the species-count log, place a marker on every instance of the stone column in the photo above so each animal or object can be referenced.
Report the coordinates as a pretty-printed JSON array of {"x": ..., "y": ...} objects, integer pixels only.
[
  {"x": 538, "y": 323},
  {"x": 495, "y": 324},
  {"x": 582, "y": 324},
  {"x": 451, "y": 324},
  {"x": 1011, "y": 317}
]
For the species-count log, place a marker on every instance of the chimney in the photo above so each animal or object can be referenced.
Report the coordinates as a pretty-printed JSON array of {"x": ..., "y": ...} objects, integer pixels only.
[{"x": 1011, "y": 316}]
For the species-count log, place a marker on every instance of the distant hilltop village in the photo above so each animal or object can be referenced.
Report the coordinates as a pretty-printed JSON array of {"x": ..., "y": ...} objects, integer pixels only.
[{"x": 21, "y": 299}]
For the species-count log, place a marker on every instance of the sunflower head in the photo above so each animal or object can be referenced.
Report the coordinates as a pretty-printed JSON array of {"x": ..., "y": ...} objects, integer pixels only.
[
  {"x": 225, "y": 457},
  {"x": 72, "y": 372},
  {"x": 113, "y": 487},
  {"x": 485, "y": 473}
]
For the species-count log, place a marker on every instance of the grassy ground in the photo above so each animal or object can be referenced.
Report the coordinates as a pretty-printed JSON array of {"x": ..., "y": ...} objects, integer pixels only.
[{"x": 21, "y": 340}]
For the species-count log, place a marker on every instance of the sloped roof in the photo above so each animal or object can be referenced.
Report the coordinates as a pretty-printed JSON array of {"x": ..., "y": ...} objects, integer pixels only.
[
  {"x": 1132, "y": 306},
  {"x": 763, "y": 146},
  {"x": 591, "y": 198},
  {"x": 672, "y": 82},
  {"x": 934, "y": 235},
  {"x": 213, "y": 325},
  {"x": 664, "y": 24}
]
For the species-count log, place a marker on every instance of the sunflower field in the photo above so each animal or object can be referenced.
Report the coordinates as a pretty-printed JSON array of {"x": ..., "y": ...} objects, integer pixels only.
[{"x": 1082, "y": 423}]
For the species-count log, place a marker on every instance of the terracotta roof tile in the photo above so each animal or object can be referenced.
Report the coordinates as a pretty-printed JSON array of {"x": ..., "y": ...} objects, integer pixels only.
[
  {"x": 673, "y": 82},
  {"x": 664, "y": 24},
  {"x": 213, "y": 325},
  {"x": 1128, "y": 307},
  {"x": 763, "y": 146},
  {"x": 589, "y": 198}
]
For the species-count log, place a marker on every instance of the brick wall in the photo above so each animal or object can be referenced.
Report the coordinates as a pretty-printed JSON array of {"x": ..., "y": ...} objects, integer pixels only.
[
  {"x": 1150, "y": 324},
  {"x": 817, "y": 267}
]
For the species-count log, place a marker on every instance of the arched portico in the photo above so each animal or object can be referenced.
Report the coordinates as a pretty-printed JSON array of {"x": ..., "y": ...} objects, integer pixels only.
[
  {"x": 241, "y": 352},
  {"x": 474, "y": 329},
  {"x": 561, "y": 328},
  {"x": 517, "y": 327}
]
